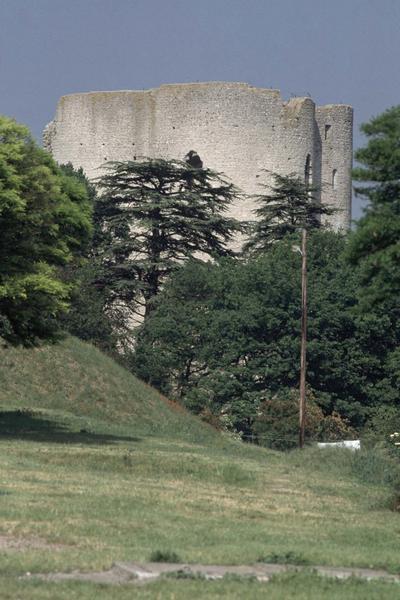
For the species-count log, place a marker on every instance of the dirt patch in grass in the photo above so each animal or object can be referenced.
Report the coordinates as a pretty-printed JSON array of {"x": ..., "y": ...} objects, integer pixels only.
[{"x": 10, "y": 542}]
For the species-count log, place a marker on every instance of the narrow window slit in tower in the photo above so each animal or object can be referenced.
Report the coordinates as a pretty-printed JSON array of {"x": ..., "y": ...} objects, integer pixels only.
[
  {"x": 334, "y": 178},
  {"x": 327, "y": 131},
  {"x": 308, "y": 171}
]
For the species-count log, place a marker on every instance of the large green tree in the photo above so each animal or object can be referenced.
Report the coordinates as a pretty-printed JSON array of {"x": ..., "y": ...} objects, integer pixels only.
[
  {"x": 45, "y": 219},
  {"x": 375, "y": 244},
  {"x": 151, "y": 216},
  {"x": 286, "y": 206}
]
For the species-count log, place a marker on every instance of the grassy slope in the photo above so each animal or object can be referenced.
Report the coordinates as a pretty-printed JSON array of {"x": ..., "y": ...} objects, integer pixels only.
[
  {"x": 103, "y": 466},
  {"x": 76, "y": 378}
]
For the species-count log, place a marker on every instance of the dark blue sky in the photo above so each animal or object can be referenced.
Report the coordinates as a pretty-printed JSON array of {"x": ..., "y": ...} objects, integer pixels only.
[{"x": 336, "y": 51}]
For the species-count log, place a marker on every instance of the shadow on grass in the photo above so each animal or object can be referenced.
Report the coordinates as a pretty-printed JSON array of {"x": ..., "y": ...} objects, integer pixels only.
[{"x": 26, "y": 425}]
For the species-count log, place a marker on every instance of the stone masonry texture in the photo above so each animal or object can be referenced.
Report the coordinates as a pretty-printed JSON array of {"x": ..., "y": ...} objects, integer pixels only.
[{"x": 236, "y": 129}]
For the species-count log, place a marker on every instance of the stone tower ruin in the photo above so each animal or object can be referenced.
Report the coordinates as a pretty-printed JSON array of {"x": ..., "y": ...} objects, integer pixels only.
[{"x": 235, "y": 128}]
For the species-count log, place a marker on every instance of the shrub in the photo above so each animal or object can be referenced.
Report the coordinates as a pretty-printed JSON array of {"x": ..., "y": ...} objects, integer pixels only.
[
  {"x": 383, "y": 421},
  {"x": 334, "y": 428},
  {"x": 277, "y": 421},
  {"x": 167, "y": 556}
]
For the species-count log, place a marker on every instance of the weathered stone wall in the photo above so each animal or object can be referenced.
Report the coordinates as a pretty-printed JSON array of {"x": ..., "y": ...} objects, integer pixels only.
[
  {"x": 335, "y": 124},
  {"x": 235, "y": 128}
]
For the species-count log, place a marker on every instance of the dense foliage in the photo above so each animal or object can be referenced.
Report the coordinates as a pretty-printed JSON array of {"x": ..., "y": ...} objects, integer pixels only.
[
  {"x": 225, "y": 337},
  {"x": 45, "y": 220},
  {"x": 375, "y": 246},
  {"x": 379, "y": 160},
  {"x": 87, "y": 317}
]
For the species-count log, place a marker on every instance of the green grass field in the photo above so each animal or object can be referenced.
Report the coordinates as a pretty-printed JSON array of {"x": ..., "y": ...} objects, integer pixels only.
[{"x": 97, "y": 467}]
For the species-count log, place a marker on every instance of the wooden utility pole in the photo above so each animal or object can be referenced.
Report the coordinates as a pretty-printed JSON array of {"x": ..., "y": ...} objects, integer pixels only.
[{"x": 303, "y": 357}]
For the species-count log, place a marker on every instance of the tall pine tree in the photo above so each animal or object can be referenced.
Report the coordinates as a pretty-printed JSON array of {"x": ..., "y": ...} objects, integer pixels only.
[
  {"x": 286, "y": 206},
  {"x": 151, "y": 216}
]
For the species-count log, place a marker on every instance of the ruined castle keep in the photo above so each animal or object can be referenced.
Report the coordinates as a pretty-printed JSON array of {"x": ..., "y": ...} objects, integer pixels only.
[{"x": 236, "y": 129}]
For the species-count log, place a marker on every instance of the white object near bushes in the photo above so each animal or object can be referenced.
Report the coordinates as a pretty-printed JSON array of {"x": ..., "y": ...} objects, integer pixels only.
[{"x": 350, "y": 444}]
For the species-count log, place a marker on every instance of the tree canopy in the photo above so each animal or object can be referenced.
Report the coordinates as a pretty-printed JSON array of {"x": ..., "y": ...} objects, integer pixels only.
[
  {"x": 45, "y": 218},
  {"x": 225, "y": 337},
  {"x": 289, "y": 204},
  {"x": 151, "y": 216},
  {"x": 379, "y": 160},
  {"x": 375, "y": 244}
]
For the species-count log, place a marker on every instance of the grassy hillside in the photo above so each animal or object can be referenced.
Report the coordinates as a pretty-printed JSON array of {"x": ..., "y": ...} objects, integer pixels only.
[
  {"x": 97, "y": 467},
  {"x": 73, "y": 377}
]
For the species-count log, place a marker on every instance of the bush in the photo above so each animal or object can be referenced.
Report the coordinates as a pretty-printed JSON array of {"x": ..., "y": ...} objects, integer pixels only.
[
  {"x": 335, "y": 428},
  {"x": 167, "y": 556},
  {"x": 383, "y": 421},
  {"x": 277, "y": 421}
]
